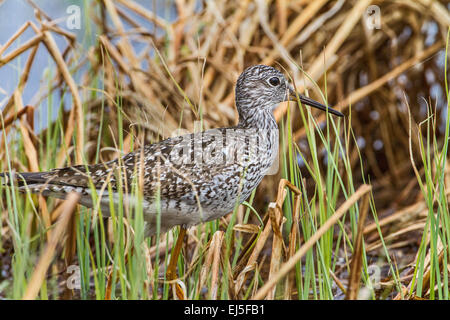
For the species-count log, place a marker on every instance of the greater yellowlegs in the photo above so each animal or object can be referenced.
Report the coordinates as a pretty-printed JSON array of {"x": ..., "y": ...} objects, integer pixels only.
[{"x": 191, "y": 178}]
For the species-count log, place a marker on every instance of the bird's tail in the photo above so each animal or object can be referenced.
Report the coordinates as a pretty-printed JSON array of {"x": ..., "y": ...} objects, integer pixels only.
[
  {"x": 21, "y": 179},
  {"x": 59, "y": 183},
  {"x": 37, "y": 182}
]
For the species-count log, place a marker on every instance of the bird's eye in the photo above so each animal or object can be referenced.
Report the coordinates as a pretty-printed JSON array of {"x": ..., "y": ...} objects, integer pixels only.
[{"x": 274, "y": 81}]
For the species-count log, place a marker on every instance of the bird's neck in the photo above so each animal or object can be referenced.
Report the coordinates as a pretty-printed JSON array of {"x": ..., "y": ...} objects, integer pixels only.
[{"x": 256, "y": 117}]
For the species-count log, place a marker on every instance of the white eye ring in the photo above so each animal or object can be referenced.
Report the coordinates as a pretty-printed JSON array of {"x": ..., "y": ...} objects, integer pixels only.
[{"x": 274, "y": 81}]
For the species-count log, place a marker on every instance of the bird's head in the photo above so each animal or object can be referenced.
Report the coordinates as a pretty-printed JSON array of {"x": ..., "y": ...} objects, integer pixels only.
[{"x": 262, "y": 87}]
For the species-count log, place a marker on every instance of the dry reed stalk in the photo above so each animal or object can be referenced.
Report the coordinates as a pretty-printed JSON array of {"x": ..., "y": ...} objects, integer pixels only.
[
  {"x": 29, "y": 147},
  {"x": 110, "y": 280},
  {"x": 317, "y": 68},
  {"x": 408, "y": 212},
  {"x": 277, "y": 243},
  {"x": 356, "y": 263},
  {"x": 438, "y": 11},
  {"x": 38, "y": 11},
  {"x": 70, "y": 246},
  {"x": 26, "y": 70},
  {"x": 264, "y": 22},
  {"x": 124, "y": 45},
  {"x": 57, "y": 210},
  {"x": 46, "y": 258},
  {"x": 293, "y": 235},
  {"x": 8, "y": 121},
  {"x": 415, "y": 226},
  {"x": 277, "y": 218},
  {"x": 294, "y": 28},
  {"x": 149, "y": 269},
  {"x": 109, "y": 283},
  {"x": 17, "y": 34},
  {"x": 338, "y": 282},
  {"x": 426, "y": 275},
  {"x": 17, "y": 52},
  {"x": 247, "y": 228},
  {"x": 282, "y": 15},
  {"x": 70, "y": 37},
  {"x": 205, "y": 268},
  {"x": 290, "y": 264},
  {"x": 114, "y": 53},
  {"x": 63, "y": 154},
  {"x": 77, "y": 105},
  {"x": 46, "y": 217},
  {"x": 251, "y": 262},
  {"x": 247, "y": 249},
  {"x": 216, "y": 247},
  {"x": 149, "y": 15},
  {"x": 31, "y": 153}
]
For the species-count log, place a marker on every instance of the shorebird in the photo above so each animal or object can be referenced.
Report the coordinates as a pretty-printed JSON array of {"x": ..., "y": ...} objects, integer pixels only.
[{"x": 191, "y": 178}]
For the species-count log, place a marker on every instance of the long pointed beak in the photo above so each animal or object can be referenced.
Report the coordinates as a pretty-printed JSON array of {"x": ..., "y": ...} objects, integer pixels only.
[{"x": 310, "y": 102}]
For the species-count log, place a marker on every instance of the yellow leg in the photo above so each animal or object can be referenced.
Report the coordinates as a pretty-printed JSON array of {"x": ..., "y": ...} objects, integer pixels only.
[{"x": 171, "y": 272}]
